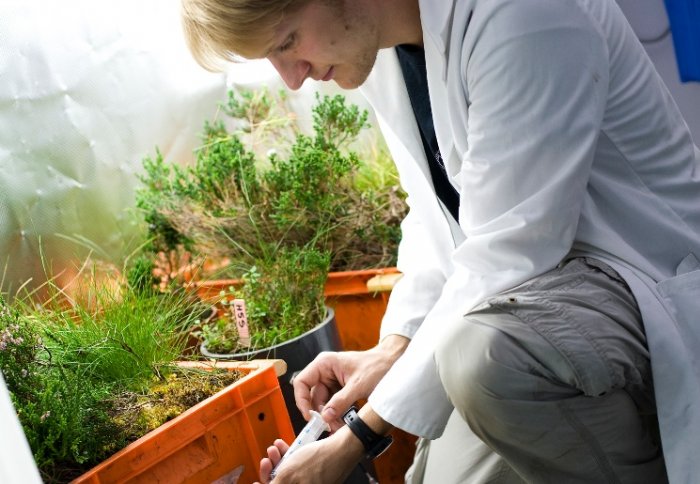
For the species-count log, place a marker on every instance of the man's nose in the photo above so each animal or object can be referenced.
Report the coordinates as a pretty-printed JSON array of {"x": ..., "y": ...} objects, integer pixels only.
[{"x": 293, "y": 71}]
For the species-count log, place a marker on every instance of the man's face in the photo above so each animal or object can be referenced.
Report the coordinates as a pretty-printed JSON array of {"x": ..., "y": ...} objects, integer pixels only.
[{"x": 325, "y": 41}]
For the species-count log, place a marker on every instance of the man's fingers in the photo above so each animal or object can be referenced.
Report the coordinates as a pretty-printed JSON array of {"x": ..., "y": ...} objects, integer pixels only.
[
  {"x": 335, "y": 408},
  {"x": 311, "y": 380},
  {"x": 320, "y": 394},
  {"x": 274, "y": 454},
  {"x": 265, "y": 470},
  {"x": 303, "y": 383},
  {"x": 282, "y": 446}
]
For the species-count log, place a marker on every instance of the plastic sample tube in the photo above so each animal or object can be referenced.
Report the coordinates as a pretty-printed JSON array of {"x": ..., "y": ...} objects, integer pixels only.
[{"x": 310, "y": 433}]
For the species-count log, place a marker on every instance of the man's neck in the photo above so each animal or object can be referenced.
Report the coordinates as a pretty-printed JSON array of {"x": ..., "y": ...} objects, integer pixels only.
[{"x": 400, "y": 21}]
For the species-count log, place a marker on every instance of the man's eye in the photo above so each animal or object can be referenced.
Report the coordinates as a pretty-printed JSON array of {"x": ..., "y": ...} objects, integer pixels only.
[{"x": 287, "y": 43}]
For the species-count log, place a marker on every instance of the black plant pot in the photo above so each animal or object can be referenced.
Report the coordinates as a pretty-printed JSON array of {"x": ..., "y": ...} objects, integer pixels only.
[{"x": 297, "y": 353}]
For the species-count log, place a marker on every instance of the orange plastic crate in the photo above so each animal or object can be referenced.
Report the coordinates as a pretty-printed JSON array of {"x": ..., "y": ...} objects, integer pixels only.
[{"x": 222, "y": 437}]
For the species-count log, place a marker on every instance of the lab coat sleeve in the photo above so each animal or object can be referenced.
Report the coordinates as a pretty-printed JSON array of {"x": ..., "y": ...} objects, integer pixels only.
[
  {"x": 418, "y": 260},
  {"x": 535, "y": 75},
  {"x": 420, "y": 286}
]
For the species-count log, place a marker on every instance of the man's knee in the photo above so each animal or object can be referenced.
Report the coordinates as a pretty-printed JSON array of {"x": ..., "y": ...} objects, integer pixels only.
[{"x": 475, "y": 360}]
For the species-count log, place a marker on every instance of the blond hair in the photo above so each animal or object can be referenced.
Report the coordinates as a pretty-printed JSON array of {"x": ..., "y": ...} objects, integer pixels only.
[{"x": 223, "y": 30}]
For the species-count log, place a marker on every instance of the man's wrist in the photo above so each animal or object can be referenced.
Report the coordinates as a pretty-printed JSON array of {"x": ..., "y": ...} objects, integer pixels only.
[
  {"x": 393, "y": 346},
  {"x": 351, "y": 445},
  {"x": 374, "y": 442},
  {"x": 374, "y": 421}
]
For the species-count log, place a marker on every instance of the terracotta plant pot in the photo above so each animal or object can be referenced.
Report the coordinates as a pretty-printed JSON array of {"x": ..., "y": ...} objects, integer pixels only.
[{"x": 223, "y": 437}]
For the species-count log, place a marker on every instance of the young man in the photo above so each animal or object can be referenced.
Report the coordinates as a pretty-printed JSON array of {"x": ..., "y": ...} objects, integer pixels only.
[{"x": 551, "y": 256}]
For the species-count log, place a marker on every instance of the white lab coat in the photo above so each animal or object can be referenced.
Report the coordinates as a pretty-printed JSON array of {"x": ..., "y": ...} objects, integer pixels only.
[{"x": 560, "y": 137}]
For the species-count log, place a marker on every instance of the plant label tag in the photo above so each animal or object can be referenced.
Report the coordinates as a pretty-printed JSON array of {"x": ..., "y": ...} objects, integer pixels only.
[{"x": 241, "y": 321}]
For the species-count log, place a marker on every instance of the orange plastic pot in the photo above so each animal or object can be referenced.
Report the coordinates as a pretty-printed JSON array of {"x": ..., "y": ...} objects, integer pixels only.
[
  {"x": 223, "y": 437},
  {"x": 359, "y": 299}
]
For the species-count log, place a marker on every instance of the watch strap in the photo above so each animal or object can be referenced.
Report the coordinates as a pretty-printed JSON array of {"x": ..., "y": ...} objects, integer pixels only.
[{"x": 373, "y": 443}]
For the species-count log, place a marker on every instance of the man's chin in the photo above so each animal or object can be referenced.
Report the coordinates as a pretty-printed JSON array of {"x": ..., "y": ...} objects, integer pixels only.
[
  {"x": 343, "y": 84},
  {"x": 353, "y": 83}
]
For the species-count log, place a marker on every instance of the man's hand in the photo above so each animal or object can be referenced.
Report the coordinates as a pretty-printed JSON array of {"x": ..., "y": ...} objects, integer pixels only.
[
  {"x": 335, "y": 381},
  {"x": 274, "y": 456},
  {"x": 323, "y": 462}
]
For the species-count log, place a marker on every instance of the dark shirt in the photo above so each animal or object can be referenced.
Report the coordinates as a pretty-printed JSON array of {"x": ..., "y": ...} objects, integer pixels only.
[{"x": 412, "y": 61}]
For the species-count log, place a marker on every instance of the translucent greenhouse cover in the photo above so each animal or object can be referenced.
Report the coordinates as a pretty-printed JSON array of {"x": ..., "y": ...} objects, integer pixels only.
[
  {"x": 89, "y": 88},
  {"x": 16, "y": 462}
]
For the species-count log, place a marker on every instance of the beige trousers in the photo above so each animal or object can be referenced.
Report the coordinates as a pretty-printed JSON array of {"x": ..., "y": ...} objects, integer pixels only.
[{"x": 551, "y": 383}]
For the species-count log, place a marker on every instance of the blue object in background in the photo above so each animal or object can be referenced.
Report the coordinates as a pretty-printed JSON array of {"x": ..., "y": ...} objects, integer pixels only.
[{"x": 684, "y": 17}]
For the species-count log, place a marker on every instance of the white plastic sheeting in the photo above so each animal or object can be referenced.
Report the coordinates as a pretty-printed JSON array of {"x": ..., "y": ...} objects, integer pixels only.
[
  {"x": 16, "y": 462},
  {"x": 87, "y": 89}
]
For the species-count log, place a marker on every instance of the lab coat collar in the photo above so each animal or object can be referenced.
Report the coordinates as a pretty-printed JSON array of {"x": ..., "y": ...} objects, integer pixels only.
[{"x": 386, "y": 90}]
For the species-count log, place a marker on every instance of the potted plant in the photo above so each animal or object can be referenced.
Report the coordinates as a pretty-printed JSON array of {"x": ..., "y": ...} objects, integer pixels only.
[
  {"x": 310, "y": 190},
  {"x": 86, "y": 379},
  {"x": 275, "y": 219}
]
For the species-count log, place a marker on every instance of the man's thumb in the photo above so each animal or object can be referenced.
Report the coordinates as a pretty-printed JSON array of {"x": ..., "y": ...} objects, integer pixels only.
[{"x": 336, "y": 406}]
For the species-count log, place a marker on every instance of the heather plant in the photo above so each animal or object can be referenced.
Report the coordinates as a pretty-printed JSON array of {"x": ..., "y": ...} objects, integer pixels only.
[
  {"x": 81, "y": 376},
  {"x": 18, "y": 349},
  {"x": 64, "y": 415}
]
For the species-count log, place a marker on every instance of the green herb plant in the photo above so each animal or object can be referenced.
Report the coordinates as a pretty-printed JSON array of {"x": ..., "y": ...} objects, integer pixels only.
[
  {"x": 310, "y": 207},
  {"x": 312, "y": 190},
  {"x": 283, "y": 297}
]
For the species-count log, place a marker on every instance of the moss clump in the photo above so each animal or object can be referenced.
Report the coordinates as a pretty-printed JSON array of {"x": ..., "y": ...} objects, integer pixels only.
[{"x": 136, "y": 414}]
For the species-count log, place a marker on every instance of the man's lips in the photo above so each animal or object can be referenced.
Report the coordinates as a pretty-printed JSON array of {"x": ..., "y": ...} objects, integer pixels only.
[{"x": 329, "y": 74}]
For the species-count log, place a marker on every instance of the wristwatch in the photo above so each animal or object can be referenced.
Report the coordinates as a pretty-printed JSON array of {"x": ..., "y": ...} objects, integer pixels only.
[{"x": 373, "y": 443}]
